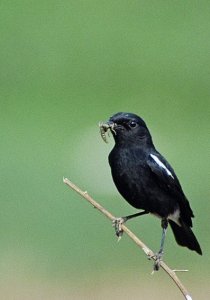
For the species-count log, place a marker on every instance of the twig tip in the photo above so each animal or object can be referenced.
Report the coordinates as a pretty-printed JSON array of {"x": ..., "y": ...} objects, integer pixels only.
[
  {"x": 188, "y": 297},
  {"x": 64, "y": 179},
  {"x": 175, "y": 270}
]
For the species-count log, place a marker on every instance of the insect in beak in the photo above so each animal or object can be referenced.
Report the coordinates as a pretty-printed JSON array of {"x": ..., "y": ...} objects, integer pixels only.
[{"x": 105, "y": 127}]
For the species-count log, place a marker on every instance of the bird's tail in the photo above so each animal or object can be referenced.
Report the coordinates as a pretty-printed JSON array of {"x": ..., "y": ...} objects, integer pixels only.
[{"x": 185, "y": 237}]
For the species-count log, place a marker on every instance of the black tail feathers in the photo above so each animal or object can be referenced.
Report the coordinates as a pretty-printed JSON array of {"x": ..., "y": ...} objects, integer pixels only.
[{"x": 185, "y": 237}]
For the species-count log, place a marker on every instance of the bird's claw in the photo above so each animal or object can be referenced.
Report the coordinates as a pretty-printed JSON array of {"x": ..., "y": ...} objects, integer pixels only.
[
  {"x": 158, "y": 260},
  {"x": 117, "y": 224}
]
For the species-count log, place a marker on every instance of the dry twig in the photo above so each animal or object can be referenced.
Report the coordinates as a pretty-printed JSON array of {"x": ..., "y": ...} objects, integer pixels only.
[{"x": 132, "y": 236}]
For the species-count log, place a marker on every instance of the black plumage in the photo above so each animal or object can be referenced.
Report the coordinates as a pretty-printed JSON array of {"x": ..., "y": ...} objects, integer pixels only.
[{"x": 146, "y": 180}]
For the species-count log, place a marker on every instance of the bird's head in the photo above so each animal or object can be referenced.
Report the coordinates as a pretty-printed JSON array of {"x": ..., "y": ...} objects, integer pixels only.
[{"x": 126, "y": 128}]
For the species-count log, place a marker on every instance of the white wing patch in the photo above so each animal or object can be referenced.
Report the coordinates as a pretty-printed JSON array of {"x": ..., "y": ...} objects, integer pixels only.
[
  {"x": 160, "y": 164},
  {"x": 175, "y": 216}
]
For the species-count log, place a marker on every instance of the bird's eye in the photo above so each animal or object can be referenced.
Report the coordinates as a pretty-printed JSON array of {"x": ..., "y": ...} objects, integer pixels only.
[{"x": 133, "y": 124}]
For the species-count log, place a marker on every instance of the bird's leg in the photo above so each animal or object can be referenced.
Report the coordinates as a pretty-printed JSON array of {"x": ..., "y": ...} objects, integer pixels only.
[
  {"x": 164, "y": 225},
  {"x": 117, "y": 223}
]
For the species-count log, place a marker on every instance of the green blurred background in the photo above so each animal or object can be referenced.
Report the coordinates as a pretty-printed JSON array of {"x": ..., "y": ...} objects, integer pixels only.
[{"x": 66, "y": 65}]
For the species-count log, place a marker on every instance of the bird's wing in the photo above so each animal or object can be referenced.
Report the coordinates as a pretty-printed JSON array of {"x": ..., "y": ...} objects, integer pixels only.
[
  {"x": 167, "y": 180},
  {"x": 165, "y": 175}
]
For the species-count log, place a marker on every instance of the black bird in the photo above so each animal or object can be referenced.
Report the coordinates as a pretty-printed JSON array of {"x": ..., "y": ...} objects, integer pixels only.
[{"x": 147, "y": 181}]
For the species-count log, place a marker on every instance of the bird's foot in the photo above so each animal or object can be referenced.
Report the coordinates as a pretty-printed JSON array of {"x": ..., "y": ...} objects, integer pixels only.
[
  {"x": 158, "y": 260},
  {"x": 117, "y": 224}
]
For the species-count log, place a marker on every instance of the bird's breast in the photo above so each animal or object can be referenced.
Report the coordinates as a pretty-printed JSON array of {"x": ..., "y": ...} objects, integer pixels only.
[{"x": 129, "y": 172}]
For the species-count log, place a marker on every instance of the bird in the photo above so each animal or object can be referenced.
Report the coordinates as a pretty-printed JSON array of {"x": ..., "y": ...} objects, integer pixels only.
[{"x": 147, "y": 181}]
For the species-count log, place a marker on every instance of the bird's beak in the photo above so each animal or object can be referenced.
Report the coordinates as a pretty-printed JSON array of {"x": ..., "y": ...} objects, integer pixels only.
[{"x": 105, "y": 127}]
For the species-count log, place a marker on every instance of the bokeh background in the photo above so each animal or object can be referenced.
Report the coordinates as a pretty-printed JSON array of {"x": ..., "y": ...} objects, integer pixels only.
[{"x": 64, "y": 66}]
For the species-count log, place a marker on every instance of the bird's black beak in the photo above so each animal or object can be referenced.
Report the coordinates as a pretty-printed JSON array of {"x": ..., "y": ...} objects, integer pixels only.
[{"x": 105, "y": 127}]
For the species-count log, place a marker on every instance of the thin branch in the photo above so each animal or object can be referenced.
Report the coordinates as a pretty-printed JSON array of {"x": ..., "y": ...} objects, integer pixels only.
[{"x": 132, "y": 236}]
